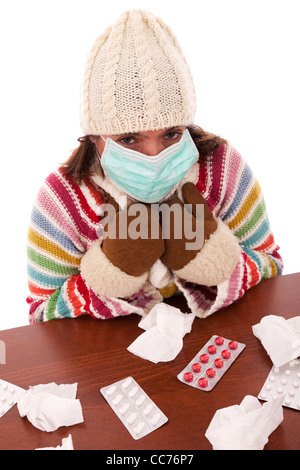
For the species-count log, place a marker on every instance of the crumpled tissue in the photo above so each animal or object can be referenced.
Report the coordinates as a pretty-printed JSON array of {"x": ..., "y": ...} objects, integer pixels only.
[
  {"x": 163, "y": 339},
  {"x": 246, "y": 426},
  {"x": 62, "y": 390},
  {"x": 49, "y": 406},
  {"x": 280, "y": 338},
  {"x": 66, "y": 444}
]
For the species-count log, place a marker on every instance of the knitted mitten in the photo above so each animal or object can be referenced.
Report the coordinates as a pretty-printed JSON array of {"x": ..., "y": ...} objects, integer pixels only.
[
  {"x": 131, "y": 253},
  {"x": 177, "y": 254}
]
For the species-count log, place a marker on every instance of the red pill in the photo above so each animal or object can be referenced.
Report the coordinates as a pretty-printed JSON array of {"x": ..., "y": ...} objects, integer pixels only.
[
  {"x": 210, "y": 373},
  {"x": 188, "y": 377},
  {"x": 203, "y": 382},
  {"x": 212, "y": 349},
  {"x": 196, "y": 367},
  {"x": 226, "y": 354},
  {"x": 233, "y": 345},
  {"x": 219, "y": 363},
  {"x": 219, "y": 341},
  {"x": 204, "y": 358}
]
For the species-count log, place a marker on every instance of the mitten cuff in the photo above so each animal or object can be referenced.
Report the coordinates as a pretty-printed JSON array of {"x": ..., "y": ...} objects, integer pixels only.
[
  {"x": 216, "y": 261},
  {"x": 106, "y": 279}
]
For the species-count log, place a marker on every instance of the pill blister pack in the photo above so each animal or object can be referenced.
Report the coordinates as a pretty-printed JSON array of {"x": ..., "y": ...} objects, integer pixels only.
[
  {"x": 210, "y": 364},
  {"x": 9, "y": 396},
  {"x": 134, "y": 407},
  {"x": 283, "y": 381}
]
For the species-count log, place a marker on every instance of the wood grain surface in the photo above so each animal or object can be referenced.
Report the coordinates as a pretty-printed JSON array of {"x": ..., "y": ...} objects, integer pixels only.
[{"x": 94, "y": 354}]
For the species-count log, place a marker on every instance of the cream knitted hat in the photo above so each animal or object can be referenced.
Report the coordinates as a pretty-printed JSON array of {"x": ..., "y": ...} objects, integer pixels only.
[{"x": 136, "y": 79}]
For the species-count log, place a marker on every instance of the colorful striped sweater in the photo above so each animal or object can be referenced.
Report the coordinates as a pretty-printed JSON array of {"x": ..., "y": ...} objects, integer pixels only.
[{"x": 65, "y": 223}]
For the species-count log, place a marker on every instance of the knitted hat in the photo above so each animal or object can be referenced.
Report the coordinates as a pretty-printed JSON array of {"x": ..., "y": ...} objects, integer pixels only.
[{"x": 136, "y": 79}]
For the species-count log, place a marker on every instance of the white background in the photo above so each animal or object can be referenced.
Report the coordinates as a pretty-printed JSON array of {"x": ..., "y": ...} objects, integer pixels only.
[{"x": 244, "y": 55}]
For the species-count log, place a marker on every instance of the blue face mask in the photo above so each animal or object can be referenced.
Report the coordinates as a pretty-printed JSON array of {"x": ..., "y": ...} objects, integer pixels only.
[{"x": 146, "y": 178}]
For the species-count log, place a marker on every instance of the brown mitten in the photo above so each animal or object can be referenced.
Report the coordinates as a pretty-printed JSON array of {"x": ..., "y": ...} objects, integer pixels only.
[
  {"x": 177, "y": 253},
  {"x": 131, "y": 247}
]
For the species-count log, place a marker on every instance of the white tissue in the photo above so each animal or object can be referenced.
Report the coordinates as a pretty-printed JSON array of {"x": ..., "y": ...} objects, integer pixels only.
[
  {"x": 163, "y": 339},
  {"x": 279, "y": 337},
  {"x": 246, "y": 426},
  {"x": 67, "y": 444},
  {"x": 50, "y": 406},
  {"x": 62, "y": 390}
]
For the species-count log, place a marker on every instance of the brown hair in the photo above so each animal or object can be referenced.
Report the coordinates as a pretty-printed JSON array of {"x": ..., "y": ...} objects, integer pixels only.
[{"x": 83, "y": 160}]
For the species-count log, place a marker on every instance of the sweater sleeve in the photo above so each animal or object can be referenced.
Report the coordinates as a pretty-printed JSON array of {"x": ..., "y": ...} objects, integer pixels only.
[
  {"x": 235, "y": 197},
  {"x": 64, "y": 225}
]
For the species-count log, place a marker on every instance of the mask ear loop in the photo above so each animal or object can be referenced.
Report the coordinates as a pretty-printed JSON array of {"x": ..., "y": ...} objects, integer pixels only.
[{"x": 97, "y": 153}]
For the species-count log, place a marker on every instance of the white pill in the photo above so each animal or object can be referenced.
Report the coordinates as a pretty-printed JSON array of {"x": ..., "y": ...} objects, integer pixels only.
[
  {"x": 117, "y": 399},
  {"x": 126, "y": 383},
  {"x": 4, "y": 386},
  {"x": 10, "y": 402},
  {"x": 155, "y": 418},
  {"x": 133, "y": 392},
  {"x": 276, "y": 370},
  {"x": 264, "y": 395},
  {"x": 279, "y": 390},
  {"x": 148, "y": 409},
  {"x": 287, "y": 372},
  {"x": 283, "y": 381},
  {"x": 295, "y": 384},
  {"x": 11, "y": 389},
  {"x": 131, "y": 418},
  {"x": 268, "y": 387},
  {"x": 124, "y": 408},
  {"x": 287, "y": 401},
  {"x": 111, "y": 390},
  {"x": 140, "y": 400},
  {"x": 139, "y": 428},
  {"x": 272, "y": 378},
  {"x": 3, "y": 398},
  {"x": 291, "y": 393}
]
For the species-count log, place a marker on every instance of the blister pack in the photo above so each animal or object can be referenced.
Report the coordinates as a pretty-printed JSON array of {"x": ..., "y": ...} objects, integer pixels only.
[
  {"x": 210, "y": 364},
  {"x": 283, "y": 381},
  {"x": 9, "y": 396},
  {"x": 134, "y": 407}
]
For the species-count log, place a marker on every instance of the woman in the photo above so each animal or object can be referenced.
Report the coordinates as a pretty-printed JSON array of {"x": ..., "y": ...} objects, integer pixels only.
[{"x": 141, "y": 145}]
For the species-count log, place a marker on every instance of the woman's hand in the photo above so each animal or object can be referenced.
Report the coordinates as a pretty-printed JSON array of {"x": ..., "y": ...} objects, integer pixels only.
[
  {"x": 134, "y": 238},
  {"x": 178, "y": 252}
]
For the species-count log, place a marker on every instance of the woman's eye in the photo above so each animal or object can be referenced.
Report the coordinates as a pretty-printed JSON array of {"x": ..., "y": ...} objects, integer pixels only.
[
  {"x": 173, "y": 135},
  {"x": 127, "y": 140}
]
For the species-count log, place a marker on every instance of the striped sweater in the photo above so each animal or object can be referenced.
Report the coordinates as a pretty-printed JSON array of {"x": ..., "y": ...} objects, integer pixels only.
[{"x": 65, "y": 224}]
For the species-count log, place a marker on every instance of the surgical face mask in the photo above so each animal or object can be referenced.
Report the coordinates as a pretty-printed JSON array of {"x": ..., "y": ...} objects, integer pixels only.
[{"x": 146, "y": 178}]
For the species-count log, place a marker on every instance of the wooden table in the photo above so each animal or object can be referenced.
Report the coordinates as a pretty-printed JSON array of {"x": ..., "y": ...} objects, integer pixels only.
[{"x": 94, "y": 354}]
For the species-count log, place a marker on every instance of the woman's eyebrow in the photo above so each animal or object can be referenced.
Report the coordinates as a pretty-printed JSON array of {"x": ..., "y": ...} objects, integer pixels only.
[
  {"x": 142, "y": 136},
  {"x": 122, "y": 136},
  {"x": 138, "y": 134}
]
